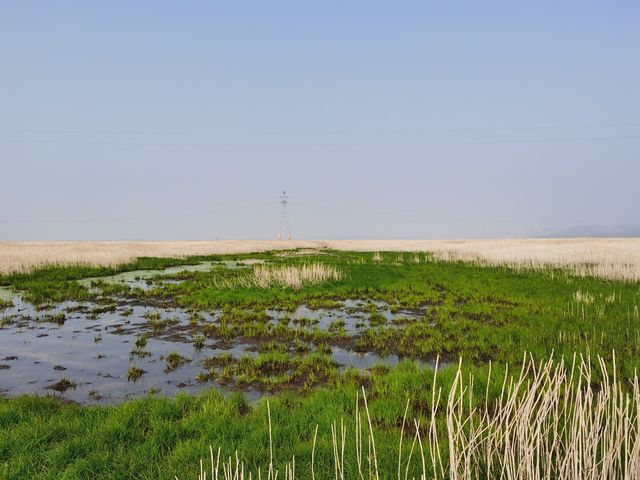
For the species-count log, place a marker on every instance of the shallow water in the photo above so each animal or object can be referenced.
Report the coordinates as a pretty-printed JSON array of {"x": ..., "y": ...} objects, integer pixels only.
[
  {"x": 96, "y": 354},
  {"x": 138, "y": 278},
  {"x": 351, "y": 312},
  {"x": 6, "y": 294},
  {"x": 95, "y": 345}
]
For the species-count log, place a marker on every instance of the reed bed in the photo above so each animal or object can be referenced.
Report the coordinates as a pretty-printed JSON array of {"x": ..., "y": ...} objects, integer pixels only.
[
  {"x": 266, "y": 276},
  {"x": 551, "y": 420},
  {"x": 294, "y": 277},
  {"x": 609, "y": 258},
  {"x": 615, "y": 259}
]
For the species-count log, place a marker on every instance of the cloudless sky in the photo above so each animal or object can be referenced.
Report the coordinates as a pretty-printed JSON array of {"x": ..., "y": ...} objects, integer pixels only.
[{"x": 185, "y": 120}]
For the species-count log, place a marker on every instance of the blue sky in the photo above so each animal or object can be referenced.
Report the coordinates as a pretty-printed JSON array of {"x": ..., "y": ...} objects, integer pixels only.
[{"x": 185, "y": 120}]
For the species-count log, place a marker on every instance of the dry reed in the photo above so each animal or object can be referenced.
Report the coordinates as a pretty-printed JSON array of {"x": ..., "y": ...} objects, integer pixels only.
[
  {"x": 294, "y": 277},
  {"x": 24, "y": 257},
  {"x": 612, "y": 258},
  {"x": 265, "y": 276},
  {"x": 549, "y": 421},
  {"x": 609, "y": 258}
]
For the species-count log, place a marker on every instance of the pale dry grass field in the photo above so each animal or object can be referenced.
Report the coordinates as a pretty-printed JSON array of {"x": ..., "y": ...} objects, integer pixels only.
[
  {"x": 615, "y": 258},
  {"x": 23, "y": 257}
]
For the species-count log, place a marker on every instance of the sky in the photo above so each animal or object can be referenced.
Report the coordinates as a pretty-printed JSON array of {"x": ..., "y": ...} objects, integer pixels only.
[{"x": 154, "y": 120}]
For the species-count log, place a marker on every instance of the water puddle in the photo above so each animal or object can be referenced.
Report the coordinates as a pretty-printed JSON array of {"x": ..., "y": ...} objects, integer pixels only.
[
  {"x": 367, "y": 360},
  {"x": 6, "y": 294},
  {"x": 349, "y": 316},
  {"x": 141, "y": 278},
  {"x": 105, "y": 353},
  {"x": 44, "y": 352}
]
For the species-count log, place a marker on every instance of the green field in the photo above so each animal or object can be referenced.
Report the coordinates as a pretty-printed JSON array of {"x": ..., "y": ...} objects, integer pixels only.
[{"x": 489, "y": 317}]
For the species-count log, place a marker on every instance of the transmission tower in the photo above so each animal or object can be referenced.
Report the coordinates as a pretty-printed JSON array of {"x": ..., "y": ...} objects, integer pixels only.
[{"x": 284, "y": 217}]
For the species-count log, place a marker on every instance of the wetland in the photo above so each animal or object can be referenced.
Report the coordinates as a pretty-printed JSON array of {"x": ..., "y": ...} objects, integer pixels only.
[{"x": 156, "y": 359}]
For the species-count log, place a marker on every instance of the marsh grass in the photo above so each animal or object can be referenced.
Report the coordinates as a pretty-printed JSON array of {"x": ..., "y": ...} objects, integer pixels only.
[
  {"x": 58, "y": 318},
  {"x": 5, "y": 304},
  {"x": 198, "y": 342},
  {"x": 552, "y": 420},
  {"x": 272, "y": 369},
  {"x": 461, "y": 309},
  {"x": 63, "y": 385},
  {"x": 134, "y": 373},
  {"x": 175, "y": 360},
  {"x": 456, "y": 308}
]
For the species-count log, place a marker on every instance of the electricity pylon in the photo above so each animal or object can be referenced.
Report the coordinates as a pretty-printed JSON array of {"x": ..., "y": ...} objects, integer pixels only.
[{"x": 284, "y": 217}]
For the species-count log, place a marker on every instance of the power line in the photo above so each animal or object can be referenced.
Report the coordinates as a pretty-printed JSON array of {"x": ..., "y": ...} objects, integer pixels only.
[
  {"x": 376, "y": 211},
  {"x": 35, "y": 131},
  {"x": 454, "y": 129},
  {"x": 173, "y": 215},
  {"x": 320, "y": 145},
  {"x": 30, "y": 131}
]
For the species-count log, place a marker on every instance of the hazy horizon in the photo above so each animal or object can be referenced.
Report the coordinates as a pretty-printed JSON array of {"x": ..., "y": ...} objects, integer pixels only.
[{"x": 153, "y": 121}]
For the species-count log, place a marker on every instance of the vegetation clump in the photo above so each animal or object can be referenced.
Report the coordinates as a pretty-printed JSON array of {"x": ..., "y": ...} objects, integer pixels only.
[
  {"x": 5, "y": 304},
  {"x": 134, "y": 373},
  {"x": 62, "y": 385},
  {"x": 57, "y": 318},
  {"x": 175, "y": 360}
]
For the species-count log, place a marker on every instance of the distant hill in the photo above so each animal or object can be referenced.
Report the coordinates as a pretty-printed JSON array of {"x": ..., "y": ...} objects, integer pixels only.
[{"x": 594, "y": 231}]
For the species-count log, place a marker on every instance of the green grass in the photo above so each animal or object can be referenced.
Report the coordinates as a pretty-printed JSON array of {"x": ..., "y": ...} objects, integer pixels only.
[
  {"x": 58, "y": 283},
  {"x": 159, "y": 438}
]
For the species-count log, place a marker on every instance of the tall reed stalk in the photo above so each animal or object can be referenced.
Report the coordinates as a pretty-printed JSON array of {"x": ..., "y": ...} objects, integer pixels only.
[{"x": 550, "y": 421}]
